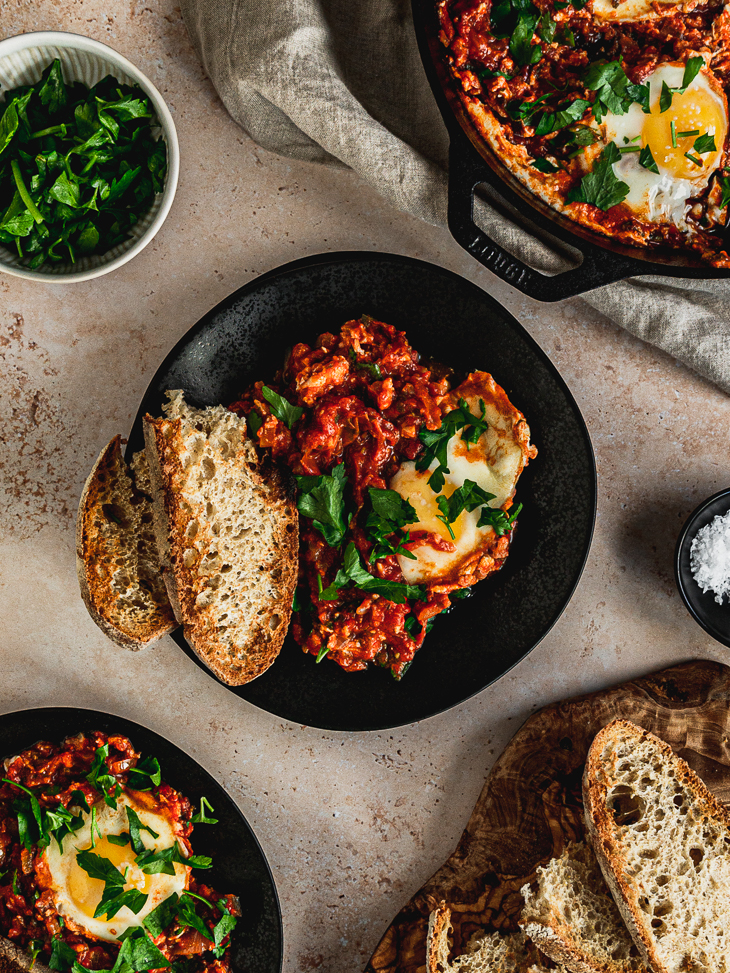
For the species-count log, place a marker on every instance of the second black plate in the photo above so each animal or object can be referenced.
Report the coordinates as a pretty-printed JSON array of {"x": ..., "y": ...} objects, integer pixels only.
[
  {"x": 453, "y": 321},
  {"x": 239, "y": 865}
]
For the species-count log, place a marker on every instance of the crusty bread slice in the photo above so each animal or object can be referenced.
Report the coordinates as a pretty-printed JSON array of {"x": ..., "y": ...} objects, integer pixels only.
[
  {"x": 116, "y": 552},
  {"x": 663, "y": 843},
  {"x": 16, "y": 960},
  {"x": 572, "y": 918},
  {"x": 227, "y": 535},
  {"x": 491, "y": 952}
]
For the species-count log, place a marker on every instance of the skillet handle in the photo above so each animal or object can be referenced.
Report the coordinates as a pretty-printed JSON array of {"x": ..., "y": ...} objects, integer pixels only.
[{"x": 467, "y": 170}]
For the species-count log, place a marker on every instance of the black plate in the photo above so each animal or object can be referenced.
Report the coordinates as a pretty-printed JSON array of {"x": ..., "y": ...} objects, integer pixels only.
[
  {"x": 714, "y": 618},
  {"x": 239, "y": 865},
  {"x": 450, "y": 319}
]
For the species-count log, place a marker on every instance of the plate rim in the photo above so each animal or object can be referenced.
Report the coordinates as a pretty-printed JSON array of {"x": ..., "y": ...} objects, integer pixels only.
[
  {"x": 83, "y": 710},
  {"x": 344, "y": 257}
]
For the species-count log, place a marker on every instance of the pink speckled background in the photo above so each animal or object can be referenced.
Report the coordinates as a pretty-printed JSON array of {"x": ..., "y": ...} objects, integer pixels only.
[{"x": 352, "y": 824}]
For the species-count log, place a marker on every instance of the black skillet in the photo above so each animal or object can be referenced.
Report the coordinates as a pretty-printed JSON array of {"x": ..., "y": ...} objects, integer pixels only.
[
  {"x": 239, "y": 865},
  {"x": 473, "y": 163},
  {"x": 451, "y": 320}
]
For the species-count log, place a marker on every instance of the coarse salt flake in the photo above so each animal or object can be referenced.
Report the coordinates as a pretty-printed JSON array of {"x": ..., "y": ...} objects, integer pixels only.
[{"x": 710, "y": 557}]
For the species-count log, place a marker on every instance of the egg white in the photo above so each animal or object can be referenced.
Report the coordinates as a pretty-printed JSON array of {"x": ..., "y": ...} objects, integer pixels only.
[
  {"x": 76, "y": 894},
  {"x": 662, "y": 197},
  {"x": 632, "y": 10},
  {"x": 494, "y": 462}
]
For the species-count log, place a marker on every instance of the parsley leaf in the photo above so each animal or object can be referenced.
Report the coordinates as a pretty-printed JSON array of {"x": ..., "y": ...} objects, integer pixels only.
[
  {"x": 562, "y": 117},
  {"x": 147, "y": 767},
  {"x": 640, "y": 93},
  {"x": 155, "y": 862},
  {"x": 138, "y": 953},
  {"x": 544, "y": 165},
  {"x": 646, "y": 159},
  {"x": 518, "y": 20},
  {"x": 601, "y": 187},
  {"x": 468, "y": 497},
  {"x": 101, "y": 778},
  {"x": 691, "y": 70},
  {"x": 62, "y": 955},
  {"x": 322, "y": 499},
  {"x": 389, "y": 514},
  {"x": 498, "y": 519},
  {"x": 135, "y": 826},
  {"x": 161, "y": 917},
  {"x": 202, "y": 816},
  {"x": 282, "y": 409},
  {"x": 665, "y": 98},
  {"x": 546, "y": 27},
  {"x": 436, "y": 441},
  {"x": 114, "y": 897},
  {"x": 608, "y": 79},
  {"x": 354, "y": 571}
]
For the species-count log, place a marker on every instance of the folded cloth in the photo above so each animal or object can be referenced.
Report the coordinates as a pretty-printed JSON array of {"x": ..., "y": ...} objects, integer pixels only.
[{"x": 341, "y": 82}]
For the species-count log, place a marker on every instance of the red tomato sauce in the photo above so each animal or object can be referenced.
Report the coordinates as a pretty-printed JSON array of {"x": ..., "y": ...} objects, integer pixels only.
[
  {"x": 366, "y": 395},
  {"x": 28, "y": 915}
]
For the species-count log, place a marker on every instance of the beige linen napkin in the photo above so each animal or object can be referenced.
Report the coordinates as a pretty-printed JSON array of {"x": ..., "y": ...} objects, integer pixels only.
[{"x": 341, "y": 82}]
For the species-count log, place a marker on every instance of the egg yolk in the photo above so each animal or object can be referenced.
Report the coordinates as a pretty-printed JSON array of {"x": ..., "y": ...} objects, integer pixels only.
[
  {"x": 86, "y": 891},
  {"x": 413, "y": 486},
  {"x": 695, "y": 110}
]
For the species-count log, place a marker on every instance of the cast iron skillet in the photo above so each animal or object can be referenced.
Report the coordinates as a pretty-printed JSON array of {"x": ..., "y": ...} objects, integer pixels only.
[
  {"x": 239, "y": 865},
  {"x": 451, "y": 320},
  {"x": 472, "y": 163}
]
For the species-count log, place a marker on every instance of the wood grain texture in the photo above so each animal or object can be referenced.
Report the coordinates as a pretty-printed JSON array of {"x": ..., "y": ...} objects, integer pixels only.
[{"x": 531, "y": 803}]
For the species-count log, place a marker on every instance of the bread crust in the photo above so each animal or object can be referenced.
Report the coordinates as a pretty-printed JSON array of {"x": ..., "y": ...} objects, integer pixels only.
[
  {"x": 14, "y": 959},
  {"x": 601, "y": 827},
  {"x": 234, "y": 660},
  {"x": 101, "y": 544}
]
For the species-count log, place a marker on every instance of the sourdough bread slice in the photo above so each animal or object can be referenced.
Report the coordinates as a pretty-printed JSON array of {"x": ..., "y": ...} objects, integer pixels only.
[
  {"x": 227, "y": 535},
  {"x": 663, "y": 843},
  {"x": 572, "y": 918},
  {"x": 491, "y": 952},
  {"x": 116, "y": 552}
]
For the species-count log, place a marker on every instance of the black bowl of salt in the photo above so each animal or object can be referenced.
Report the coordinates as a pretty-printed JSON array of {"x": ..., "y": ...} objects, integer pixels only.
[{"x": 702, "y": 566}]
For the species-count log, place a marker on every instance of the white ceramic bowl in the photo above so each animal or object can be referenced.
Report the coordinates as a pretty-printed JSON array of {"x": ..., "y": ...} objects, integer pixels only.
[{"x": 22, "y": 61}]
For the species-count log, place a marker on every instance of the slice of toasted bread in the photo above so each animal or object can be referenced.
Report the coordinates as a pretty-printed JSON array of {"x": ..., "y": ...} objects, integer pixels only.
[
  {"x": 491, "y": 952},
  {"x": 16, "y": 960},
  {"x": 227, "y": 534},
  {"x": 663, "y": 843},
  {"x": 572, "y": 918},
  {"x": 116, "y": 552}
]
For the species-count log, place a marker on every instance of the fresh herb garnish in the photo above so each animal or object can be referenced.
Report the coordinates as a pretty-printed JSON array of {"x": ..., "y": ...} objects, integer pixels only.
[
  {"x": 544, "y": 165},
  {"x": 202, "y": 817},
  {"x": 101, "y": 778},
  {"x": 691, "y": 70},
  {"x": 145, "y": 775},
  {"x": 646, "y": 159},
  {"x": 163, "y": 862},
  {"x": 608, "y": 79},
  {"x": 354, "y": 571},
  {"x": 518, "y": 20},
  {"x": 79, "y": 166},
  {"x": 138, "y": 953},
  {"x": 601, "y": 187},
  {"x": 693, "y": 158},
  {"x": 562, "y": 117},
  {"x": 467, "y": 497},
  {"x": 118, "y": 839},
  {"x": 135, "y": 827},
  {"x": 389, "y": 514},
  {"x": 724, "y": 184},
  {"x": 161, "y": 917},
  {"x": 281, "y": 408},
  {"x": 498, "y": 520},
  {"x": 113, "y": 897},
  {"x": 436, "y": 441},
  {"x": 705, "y": 143},
  {"x": 62, "y": 955},
  {"x": 546, "y": 27},
  {"x": 322, "y": 499}
]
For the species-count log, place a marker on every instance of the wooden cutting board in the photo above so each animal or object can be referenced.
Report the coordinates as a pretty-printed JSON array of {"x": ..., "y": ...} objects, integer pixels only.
[{"x": 531, "y": 804}]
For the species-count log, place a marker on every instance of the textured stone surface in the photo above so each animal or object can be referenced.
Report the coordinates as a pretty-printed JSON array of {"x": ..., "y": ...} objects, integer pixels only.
[{"x": 352, "y": 824}]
